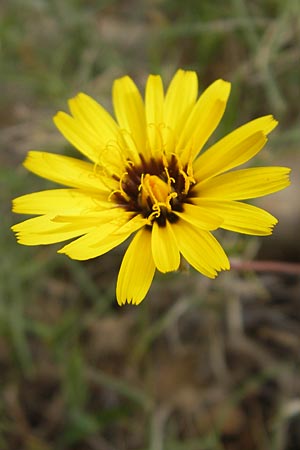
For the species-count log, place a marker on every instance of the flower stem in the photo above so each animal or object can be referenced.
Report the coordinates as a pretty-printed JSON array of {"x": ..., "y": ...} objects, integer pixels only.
[{"x": 265, "y": 266}]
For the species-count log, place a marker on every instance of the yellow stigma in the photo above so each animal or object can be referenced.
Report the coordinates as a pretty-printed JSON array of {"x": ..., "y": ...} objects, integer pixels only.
[
  {"x": 154, "y": 188},
  {"x": 156, "y": 195}
]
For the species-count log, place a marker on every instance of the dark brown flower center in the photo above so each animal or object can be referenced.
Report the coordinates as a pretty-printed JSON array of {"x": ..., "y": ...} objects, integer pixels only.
[{"x": 154, "y": 188}]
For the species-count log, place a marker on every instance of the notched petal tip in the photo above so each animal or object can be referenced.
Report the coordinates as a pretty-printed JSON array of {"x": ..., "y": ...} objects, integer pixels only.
[
  {"x": 274, "y": 122},
  {"x": 265, "y": 124},
  {"x": 60, "y": 118},
  {"x": 126, "y": 301},
  {"x": 61, "y": 251},
  {"x": 129, "y": 301},
  {"x": 287, "y": 173},
  {"x": 13, "y": 228},
  {"x": 154, "y": 77},
  {"x": 65, "y": 251},
  {"x": 30, "y": 158},
  {"x": 80, "y": 97},
  {"x": 285, "y": 177},
  {"x": 225, "y": 88},
  {"x": 183, "y": 73},
  {"x": 14, "y": 207},
  {"x": 60, "y": 115},
  {"x": 125, "y": 80},
  {"x": 226, "y": 266}
]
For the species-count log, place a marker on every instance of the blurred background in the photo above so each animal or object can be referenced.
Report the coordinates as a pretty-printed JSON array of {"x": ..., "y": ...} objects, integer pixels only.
[{"x": 200, "y": 364}]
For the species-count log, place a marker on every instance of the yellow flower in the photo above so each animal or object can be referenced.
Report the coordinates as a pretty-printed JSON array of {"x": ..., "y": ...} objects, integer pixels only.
[{"x": 145, "y": 177}]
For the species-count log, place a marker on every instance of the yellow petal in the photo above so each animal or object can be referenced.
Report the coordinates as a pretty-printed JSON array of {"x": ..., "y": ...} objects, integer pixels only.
[
  {"x": 101, "y": 240},
  {"x": 130, "y": 113},
  {"x": 200, "y": 217},
  {"x": 246, "y": 183},
  {"x": 78, "y": 136},
  {"x": 234, "y": 149},
  {"x": 51, "y": 228},
  {"x": 94, "y": 118},
  {"x": 200, "y": 249},
  {"x": 137, "y": 270},
  {"x": 180, "y": 99},
  {"x": 43, "y": 230},
  {"x": 39, "y": 224},
  {"x": 240, "y": 217},
  {"x": 89, "y": 246},
  {"x": 66, "y": 170},
  {"x": 113, "y": 215},
  {"x": 68, "y": 201},
  {"x": 164, "y": 248},
  {"x": 203, "y": 119},
  {"x": 154, "y": 102}
]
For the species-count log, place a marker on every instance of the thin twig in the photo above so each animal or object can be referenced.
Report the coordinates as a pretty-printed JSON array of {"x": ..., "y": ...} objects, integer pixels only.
[{"x": 265, "y": 266}]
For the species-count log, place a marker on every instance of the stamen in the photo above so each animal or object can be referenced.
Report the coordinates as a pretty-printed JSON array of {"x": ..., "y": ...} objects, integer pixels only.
[
  {"x": 170, "y": 180},
  {"x": 128, "y": 138},
  {"x": 149, "y": 184},
  {"x": 190, "y": 172},
  {"x": 113, "y": 151},
  {"x": 168, "y": 201},
  {"x": 120, "y": 190},
  {"x": 187, "y": 181},
  {"x": 129, "y": 163},
  {"x": 154, "y": 215},
  {"x": 164, "y": 160},
  {"x": 154, "y": 187},
  {"x": 108, "y": 179},
  {"x": 188, "y": 178},
  {"x": 156, "y": 210}
]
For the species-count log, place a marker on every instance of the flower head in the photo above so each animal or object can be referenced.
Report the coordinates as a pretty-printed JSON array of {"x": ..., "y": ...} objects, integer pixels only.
[{"x": 145, "y": 178}]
